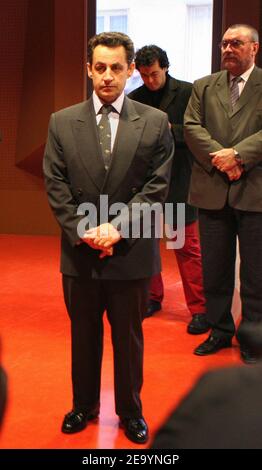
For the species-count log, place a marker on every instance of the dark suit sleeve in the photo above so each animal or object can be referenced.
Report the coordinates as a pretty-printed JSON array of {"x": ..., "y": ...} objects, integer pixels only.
[
  {"x": 250, "y": 150},
  {"x": 178, "y": 132},
  {"x": 60, "y": 197},
  {"x": 197, "y": 137},
  {"x": 178, "y": 128}
]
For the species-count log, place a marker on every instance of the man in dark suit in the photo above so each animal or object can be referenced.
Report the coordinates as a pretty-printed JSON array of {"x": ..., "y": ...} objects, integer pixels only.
[
  {"x": 170, "y": 95},
  {"x": 103, "y": 267},
  {"x": 223, "y": 130}
]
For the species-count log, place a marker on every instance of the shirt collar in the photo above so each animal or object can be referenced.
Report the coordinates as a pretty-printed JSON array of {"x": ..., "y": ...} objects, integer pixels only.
[
  {"x": 117, "y": 104},
  {"x": 245, "y": 76}
]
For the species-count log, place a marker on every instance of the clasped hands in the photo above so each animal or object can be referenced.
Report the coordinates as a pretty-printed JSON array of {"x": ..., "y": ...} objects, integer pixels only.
[
  {"x": 224, "y": 160},
  {"x": 102, "y": 238}
]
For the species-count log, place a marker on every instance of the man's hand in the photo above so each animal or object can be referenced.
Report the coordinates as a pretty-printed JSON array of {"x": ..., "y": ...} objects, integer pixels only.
[
  {"x": 104, "y": 251},
  {"x": 108, "y": 252},
  {"x": 102, "y": 238},
  {"x": 235, "y": 173},
  {"x": 224, "y": 160}
]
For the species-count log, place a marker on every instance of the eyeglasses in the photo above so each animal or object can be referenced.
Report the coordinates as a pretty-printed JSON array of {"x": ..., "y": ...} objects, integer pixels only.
[{"x": 234, "y": 43}]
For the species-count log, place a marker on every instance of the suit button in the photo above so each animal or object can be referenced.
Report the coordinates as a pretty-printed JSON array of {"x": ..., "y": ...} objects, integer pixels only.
[
  {"x": 79, "y": 192},
  {"x": 134, "y": 190}
]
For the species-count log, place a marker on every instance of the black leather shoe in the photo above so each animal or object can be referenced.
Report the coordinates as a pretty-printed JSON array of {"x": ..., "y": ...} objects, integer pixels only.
[
  {"x": 198, "y": 324},
  {"x": 212, "y": 345},
  {"x": 76, "y": 421},
  {"x": 135, "y": 429},
  {"x": 247, "y": 356},
  {"x": 153, "y": 306}
]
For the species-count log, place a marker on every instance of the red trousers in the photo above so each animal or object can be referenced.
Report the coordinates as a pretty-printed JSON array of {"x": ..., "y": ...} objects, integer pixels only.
[{"x": 190, "y": 267}]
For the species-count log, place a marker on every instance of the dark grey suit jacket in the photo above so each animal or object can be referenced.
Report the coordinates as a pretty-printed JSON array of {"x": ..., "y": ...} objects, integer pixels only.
[
  {"x": 210, "y": 125},
  {"x": 139, "y": 172}
]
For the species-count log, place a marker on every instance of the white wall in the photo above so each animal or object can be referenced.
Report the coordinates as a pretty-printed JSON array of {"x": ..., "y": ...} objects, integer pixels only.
[{"x": 166, "y": 24}]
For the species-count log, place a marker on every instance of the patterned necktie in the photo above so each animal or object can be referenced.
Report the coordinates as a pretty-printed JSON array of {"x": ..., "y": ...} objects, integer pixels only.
[
  {"x": 104, "y": 131},
  {"x": 234, "y": 90}
]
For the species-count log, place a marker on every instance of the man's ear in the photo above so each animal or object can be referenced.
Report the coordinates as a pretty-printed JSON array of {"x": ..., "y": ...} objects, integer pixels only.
[
  {"x": 89, "y": 69},
  {"x": 131, "y": 69}
]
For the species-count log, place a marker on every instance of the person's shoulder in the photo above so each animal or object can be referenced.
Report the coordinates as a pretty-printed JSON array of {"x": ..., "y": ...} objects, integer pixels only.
[
  {"x": 229, "y": 378},
  {"x": 144, "y": 109},
  {"x": 211, "y": 78},
  {"x": 175, "y": 82},
  {"x": 72, "y": 111},
  {"x": 257, "y": 71},
  {"x": 137, "y": 93}
]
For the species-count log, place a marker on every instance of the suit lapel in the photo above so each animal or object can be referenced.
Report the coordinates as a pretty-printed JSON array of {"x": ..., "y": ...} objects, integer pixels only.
[
  {"x": 222, "y": 90},
  {"x": 129, "y": 132},
  {"x": 86, "y": 136},
  {"x": 252, "y": 87},
  {"x": 169, "y": 95}
]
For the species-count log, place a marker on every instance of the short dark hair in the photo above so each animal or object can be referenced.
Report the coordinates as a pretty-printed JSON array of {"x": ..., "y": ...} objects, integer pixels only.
[
  {"x": 253, "y": 32},
  {"x": 147, "y": 55},
  {"x": 111, "y": 39}
]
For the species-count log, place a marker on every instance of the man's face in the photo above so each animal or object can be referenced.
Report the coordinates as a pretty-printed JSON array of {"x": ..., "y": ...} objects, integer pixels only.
[
  {"x": 153, "y": 76},
  {"x": 238, "y": 50},
  {"x": 109, "y": 72}
]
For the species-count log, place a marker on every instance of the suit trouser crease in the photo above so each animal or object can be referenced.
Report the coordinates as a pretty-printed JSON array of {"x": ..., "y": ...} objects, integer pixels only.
[
  {"x": 125, "y": 302},
  {"x": 218, "y": 233}
]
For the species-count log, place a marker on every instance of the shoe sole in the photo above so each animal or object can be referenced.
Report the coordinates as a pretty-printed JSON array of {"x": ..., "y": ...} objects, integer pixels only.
[
  {"x": 81, "y": 426},
  {"x": 198, "y": 332},
  {"x": 79, "y": 429},
  {"x": 135, "y": 440},
  {"x": 249, "y": 361},
  {"x": 211, "y": 352},
  {"x": 131, "y": 438}
]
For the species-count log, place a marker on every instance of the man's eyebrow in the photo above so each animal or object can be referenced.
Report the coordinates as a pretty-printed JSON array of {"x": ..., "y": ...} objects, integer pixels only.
[{"x": 110, "y": 65}]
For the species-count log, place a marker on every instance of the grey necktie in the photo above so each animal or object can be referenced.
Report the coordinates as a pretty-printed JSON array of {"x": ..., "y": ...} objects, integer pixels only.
[
  {"x": 234, "y": 90},
  {"x": 104, "y": 131}
]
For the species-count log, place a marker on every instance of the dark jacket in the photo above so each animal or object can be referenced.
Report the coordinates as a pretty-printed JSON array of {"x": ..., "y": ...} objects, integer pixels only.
[{"x": 174, "y": 103}]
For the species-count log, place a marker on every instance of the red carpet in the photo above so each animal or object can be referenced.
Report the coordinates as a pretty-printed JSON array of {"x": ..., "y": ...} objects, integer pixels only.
[{"x": 36, "y": 353}]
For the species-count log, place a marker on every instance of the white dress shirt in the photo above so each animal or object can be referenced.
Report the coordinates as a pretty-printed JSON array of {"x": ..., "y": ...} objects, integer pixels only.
[
  {"x": 113, "y": 116},
  {"x": 245, "y": 76}
]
